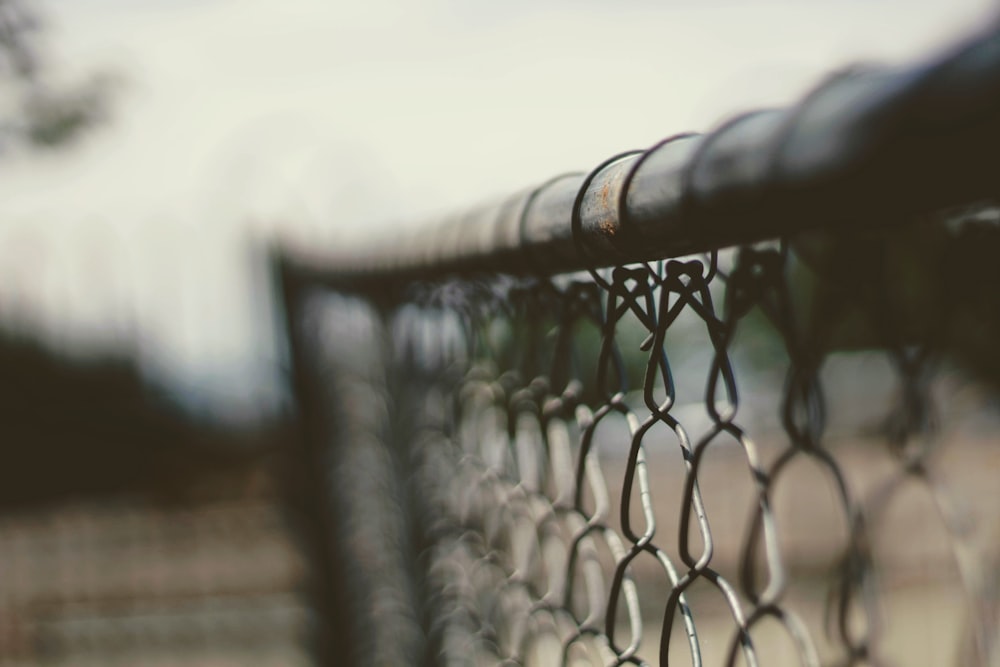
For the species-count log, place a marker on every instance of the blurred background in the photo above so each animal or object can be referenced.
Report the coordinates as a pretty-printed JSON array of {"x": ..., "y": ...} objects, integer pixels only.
[{"x": 150, "y": 152}]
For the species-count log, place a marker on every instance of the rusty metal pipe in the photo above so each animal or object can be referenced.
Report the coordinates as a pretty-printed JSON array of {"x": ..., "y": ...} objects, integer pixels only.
[{"x": 866, "y": 146}]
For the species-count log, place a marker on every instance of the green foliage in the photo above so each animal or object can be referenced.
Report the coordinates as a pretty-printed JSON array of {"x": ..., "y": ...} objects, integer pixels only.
[{"x": 56, "y": 117}]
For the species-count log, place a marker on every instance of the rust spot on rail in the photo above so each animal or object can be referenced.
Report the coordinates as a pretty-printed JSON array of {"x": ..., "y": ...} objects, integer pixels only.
[
  {"x": 605, "y": 194},
  {"x": 606, "y": 225}
]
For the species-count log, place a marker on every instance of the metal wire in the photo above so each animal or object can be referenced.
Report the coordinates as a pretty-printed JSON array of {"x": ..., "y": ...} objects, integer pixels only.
[
  {"x": 539, "y": 544},
  {"x": 605, "y": 448}
]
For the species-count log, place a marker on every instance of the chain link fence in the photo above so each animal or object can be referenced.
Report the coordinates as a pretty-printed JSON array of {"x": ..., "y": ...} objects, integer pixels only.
[
  {"x": 684, "y": 461},
  {"x": 139, "y": 580},
  {"x": 728, "y": 400}
]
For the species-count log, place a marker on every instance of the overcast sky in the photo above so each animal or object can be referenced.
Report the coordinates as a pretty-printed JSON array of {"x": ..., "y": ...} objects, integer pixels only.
[{"x": 326, "y": 120}]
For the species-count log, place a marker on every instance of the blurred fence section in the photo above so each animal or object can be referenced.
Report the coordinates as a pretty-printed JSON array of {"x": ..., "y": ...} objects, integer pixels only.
[
  {"x": 555, "y": 444},
  {"x": 133, "y": 534},
  {"x": 132, "y": 582}
]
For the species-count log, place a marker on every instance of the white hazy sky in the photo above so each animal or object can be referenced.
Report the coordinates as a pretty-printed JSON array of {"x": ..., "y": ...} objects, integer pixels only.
[{"x": 325, "y": 120}]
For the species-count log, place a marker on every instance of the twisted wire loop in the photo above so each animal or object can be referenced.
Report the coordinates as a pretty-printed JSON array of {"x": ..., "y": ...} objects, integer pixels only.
[{"x": 586, "y": 488}]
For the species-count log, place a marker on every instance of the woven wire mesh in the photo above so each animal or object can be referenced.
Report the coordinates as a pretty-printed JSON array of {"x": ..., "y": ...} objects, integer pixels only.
[
  {"x": 736, "y": 458},
  {"x": 132, "y": 581}
]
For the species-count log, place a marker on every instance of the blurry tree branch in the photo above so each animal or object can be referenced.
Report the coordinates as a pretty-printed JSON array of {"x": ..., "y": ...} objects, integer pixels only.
[{"x": 36, "y": 110}]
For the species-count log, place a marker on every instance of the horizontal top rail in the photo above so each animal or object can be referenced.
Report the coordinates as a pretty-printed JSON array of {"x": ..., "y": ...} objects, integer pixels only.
[{"x": 868, "y": 146}]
